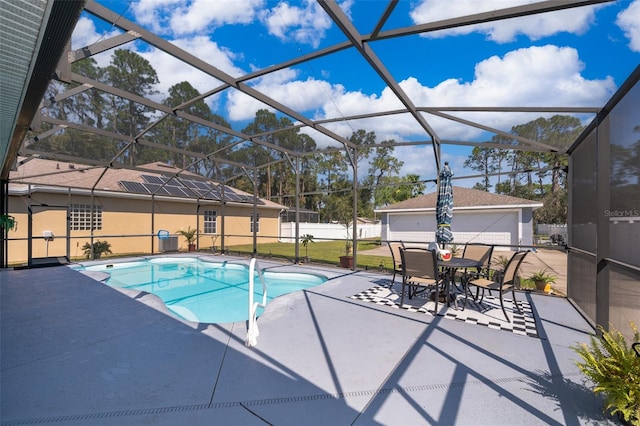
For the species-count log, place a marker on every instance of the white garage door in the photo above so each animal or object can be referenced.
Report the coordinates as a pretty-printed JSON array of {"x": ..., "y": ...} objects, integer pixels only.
[
  {"x": 489, "y": 227},
  {"x": 412, "y": 227}
]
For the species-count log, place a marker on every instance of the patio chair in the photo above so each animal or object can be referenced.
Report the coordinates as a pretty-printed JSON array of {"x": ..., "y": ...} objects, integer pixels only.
[
  {"x": 420, "y": 270},
  {"x": 505, "y": 282},
  {"x": 397, "y": 260},
  {"x": 481, "y": 253}
]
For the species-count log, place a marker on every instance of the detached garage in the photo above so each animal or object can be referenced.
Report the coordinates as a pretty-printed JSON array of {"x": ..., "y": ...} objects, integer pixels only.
[{"x": 478, "y": 217}]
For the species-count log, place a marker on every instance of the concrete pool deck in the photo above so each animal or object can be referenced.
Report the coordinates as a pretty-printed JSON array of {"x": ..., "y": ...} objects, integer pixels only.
[{"x": 77, "y": 352}]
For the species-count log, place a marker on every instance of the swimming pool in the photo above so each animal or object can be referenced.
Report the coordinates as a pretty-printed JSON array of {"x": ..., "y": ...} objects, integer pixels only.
[{"x": 202, "y": 291}]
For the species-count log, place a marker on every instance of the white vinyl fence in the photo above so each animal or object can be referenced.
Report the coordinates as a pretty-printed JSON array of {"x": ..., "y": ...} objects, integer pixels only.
[{"x": 329, "y": 231}]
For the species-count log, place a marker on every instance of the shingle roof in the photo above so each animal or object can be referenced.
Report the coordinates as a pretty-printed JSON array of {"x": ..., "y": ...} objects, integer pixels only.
[
  {"x": 462, "y": 197},
  {"x": 43, "y": 172}
]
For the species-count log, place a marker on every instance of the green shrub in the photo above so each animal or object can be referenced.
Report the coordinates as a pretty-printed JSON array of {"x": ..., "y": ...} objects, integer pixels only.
[
  {"x": 614, "y": 368},
  {"x": 98, "y": 249}
]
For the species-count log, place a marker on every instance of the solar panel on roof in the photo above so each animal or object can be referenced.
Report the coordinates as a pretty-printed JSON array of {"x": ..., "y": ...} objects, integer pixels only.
[
  {"x": 154, "y": 179},
  {"x": 156, "y": 189},
  {"x": 177, "y": 191},
  {"x": 230, "y": 195},
  {"x": 194, "y": 192},
  {"x": 211, "y": 196},
  {"x": 190, "y": 192},
  {"x": 190, "y": 189},
  {"x": 199, "y": 185},
  {"x": 188, "y": 183},
  {"x": 134, "y": 187}
]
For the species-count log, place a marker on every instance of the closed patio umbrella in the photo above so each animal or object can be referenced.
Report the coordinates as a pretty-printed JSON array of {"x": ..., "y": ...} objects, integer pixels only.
[{"x": 444, "y": 206}]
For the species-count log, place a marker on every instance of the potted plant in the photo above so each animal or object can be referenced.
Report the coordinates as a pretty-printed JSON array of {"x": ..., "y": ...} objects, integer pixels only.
[
  {"x": 613, "y": 367},
  {"x": 346, "y": 261},
  {"x": 189, "y": 235},
  {"x": 306, "y": 239},
  {"x": 542, "y": 278},
  {"x": 345, "y": 218},
  {"x": 97, "y": 249}
]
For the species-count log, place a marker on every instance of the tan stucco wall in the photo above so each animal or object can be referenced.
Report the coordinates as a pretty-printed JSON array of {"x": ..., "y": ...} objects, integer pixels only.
[{"x": 128, "y": 226}]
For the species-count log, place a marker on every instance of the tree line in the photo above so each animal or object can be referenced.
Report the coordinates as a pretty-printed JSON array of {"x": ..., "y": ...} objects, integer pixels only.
[{"x": 193, "y": 138}]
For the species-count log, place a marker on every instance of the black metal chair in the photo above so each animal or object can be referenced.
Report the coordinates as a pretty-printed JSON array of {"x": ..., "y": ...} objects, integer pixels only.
[{"x": 504, "y": 282}]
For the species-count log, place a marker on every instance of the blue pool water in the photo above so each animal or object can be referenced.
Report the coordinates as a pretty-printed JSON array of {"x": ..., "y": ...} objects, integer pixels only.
[{"x": 202, "y": 291}]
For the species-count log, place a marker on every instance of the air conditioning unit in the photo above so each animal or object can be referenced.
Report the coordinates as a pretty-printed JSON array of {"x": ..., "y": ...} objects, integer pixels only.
[{"x": 168, "y": 244}]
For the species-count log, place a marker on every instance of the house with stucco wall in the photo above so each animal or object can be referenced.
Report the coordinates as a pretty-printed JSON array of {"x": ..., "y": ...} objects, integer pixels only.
[
  {"x": 128, "y": 207},
  {"x": 478, "y": 217}
]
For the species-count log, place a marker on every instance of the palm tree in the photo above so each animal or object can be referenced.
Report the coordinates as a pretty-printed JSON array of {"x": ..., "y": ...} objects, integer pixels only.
[{"x": 190, "y": 235}]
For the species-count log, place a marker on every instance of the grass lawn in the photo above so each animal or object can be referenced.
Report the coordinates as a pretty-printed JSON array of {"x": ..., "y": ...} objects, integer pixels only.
[{"x": 328, "y": 252}]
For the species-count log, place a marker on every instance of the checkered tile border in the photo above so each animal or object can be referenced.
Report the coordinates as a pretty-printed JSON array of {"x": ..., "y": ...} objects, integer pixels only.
[{"x": 488, "y": 313}]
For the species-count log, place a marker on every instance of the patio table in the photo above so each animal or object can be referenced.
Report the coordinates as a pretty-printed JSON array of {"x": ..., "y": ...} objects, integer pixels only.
[{"x": 450, "y": 267}]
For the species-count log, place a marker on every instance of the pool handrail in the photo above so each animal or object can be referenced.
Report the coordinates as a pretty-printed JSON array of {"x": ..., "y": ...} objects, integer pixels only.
[{"x": 252, "y": 322}]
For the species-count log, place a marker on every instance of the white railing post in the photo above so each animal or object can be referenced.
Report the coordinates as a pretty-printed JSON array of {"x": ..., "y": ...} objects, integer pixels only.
[{"x": 252, "y": 323}]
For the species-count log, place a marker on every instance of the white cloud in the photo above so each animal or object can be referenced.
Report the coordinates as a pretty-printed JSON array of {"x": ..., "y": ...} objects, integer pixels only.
[
  {"x": 346, "y": 6},
  {"x": 300, "y": 95},
  {"x": 172, "y": 71},
  {"x": 517, "y": 79},
  {"x": 307, "y": 24},
  {"x": 202, "y": 14},
  {"x": 84, "y": 34},
  {"x": 535, "y": 76},
  {"x": 182, "y": 17},
  {"x": 169, "y": 69},
  {"x": 629, "y": 21},
  {"x": 535, "y": 27},
  {"x": 152, "y": 15},
  {"x": 209, "y": 51}
]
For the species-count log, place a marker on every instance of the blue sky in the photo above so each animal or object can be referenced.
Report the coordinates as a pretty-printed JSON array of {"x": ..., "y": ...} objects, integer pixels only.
[{"x": 577, "y": 57}]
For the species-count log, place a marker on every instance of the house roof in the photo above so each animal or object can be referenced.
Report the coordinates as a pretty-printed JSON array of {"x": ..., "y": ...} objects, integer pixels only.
[
  {"x": 49, "y": 174},
  {"x": 463, "y": 198}
]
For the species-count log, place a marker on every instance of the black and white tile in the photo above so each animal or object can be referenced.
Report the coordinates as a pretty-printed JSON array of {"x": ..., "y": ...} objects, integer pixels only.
[{"x": 486, "y": 313}]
